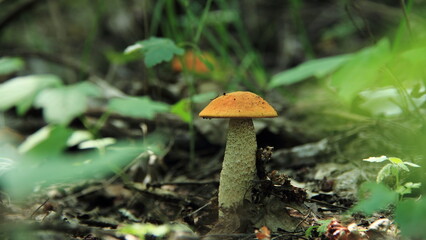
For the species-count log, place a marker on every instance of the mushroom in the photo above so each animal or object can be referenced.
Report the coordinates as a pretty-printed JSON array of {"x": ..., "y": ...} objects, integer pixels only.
[{"x": 239, "y": 164}]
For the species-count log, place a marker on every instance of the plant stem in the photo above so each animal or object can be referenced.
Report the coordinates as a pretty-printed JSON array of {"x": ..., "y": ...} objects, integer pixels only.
[{"x": 203, "y": 19}]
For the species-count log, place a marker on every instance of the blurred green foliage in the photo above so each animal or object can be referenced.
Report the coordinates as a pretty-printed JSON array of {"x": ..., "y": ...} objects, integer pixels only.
[
  {"x": 409, "y": 215},
  {"x": 155, "y": 50},
  {"x": 21, "y": 91},
  {"x": 142, "y": 107},
  {"x": 374, "y": 197},
  {"x": 30, "y": 171},
  {"x": 10, "y": 65},
  {"x": 147, "y": 230},
  {"x": 62, "y": 104}
]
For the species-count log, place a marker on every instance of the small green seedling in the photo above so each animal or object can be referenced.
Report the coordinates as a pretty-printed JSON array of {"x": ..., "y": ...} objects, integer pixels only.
[{"x": 393, "y": 169}]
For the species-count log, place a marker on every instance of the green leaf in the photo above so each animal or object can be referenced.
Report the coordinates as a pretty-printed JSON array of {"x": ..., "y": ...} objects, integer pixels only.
[
  {"x": 410, "y": 216},
  {"x": 48, "y": 141},
  {"x": 324, "y": 226},
  {"x": 182, "y": 108},
  {"x": 376, "y": 159},
  {"x": 395, "y": 160},
  {"x": 313, "y": 68},
  {"x": 21, "y": 91},
  {"x": 142, "y": 107},
  {"x": 61, "y": 105},
  {"x": 10, "y": 65},
  {"x": 308, "y": 232},
  {"x": 155, "y": 50},
  {"x": 361, "y": 71},
  {"x": 411, "y": 164},
  {"x": 386, "y": 171},
  {"x": 401, "y": 190},
  {"x": 412, "y": 185},
  {"x": 374, "y": 197}
]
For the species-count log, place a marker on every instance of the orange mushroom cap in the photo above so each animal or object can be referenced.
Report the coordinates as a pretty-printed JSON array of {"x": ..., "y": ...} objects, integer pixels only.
[{"x": 238, "y": 105}]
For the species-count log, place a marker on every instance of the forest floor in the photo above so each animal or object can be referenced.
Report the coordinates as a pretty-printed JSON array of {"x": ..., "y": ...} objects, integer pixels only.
[{"x": 303, "y": 191}]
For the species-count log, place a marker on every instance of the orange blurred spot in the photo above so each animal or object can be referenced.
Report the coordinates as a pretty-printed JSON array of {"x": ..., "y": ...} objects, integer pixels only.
[{"x": 193, "y": 62}]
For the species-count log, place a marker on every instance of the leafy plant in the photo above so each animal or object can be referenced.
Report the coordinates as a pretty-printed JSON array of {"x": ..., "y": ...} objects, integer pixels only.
[{"x": 393, "y": 169}]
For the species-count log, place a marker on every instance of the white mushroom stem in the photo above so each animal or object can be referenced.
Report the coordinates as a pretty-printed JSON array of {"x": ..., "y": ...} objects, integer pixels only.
[{"x": 239, "y": 164}]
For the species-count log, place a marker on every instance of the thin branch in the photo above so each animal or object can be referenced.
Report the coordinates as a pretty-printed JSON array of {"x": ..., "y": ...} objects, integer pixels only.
[{"x": 17, "y": 12}]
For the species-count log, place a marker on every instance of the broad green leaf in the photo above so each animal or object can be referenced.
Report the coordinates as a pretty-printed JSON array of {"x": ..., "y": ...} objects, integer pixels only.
[
  {"x": 142, "y": 107},
  {"x": 361, "y": 70},
  {"x": 10, "y": 65},
  {"x": 374, "y": 197},
  {"x": 395, "y": 160},
  {"x": 61, "y": 105},
  {"x": 314, "y": 68},
  {"x": 155, "y": 50},
  {"x": 410, "y": 217},
  {"x": 398, "y": 162},
  {"x": 21, "y": 91},
  {"x": 48, "y": 141}
]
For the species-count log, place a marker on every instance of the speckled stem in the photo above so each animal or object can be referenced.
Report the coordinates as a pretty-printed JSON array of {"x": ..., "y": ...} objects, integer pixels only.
[{"x": 239, "y": 164}]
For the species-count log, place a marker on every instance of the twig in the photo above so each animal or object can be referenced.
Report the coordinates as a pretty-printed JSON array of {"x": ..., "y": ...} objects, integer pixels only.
[
  {"x": 227, "y": 236},
  {"x": 39, "y": 208},
  {"x": 159, "y": 184},
  {"x": 326, "y": 204},
  {"x": 199, "y": 209}
]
